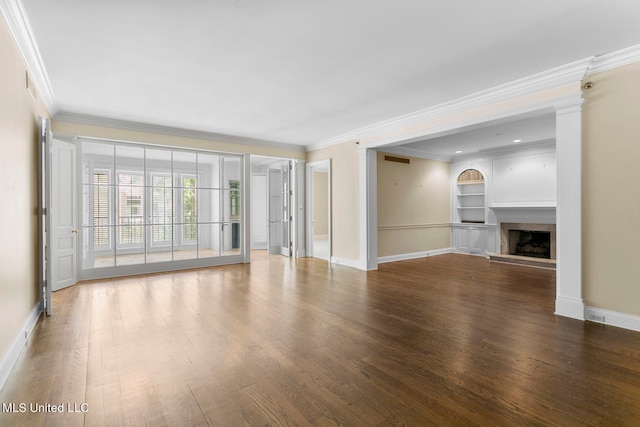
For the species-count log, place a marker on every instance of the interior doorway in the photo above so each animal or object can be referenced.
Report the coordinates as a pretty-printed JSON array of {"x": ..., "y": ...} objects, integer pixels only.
[
  {"x": 275, "y": 190},
  {"x": 319, "y": 209}
]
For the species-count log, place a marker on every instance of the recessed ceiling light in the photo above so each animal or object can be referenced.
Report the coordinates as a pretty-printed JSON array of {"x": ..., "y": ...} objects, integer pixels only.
[
  {"x": 517, "y": 140},
  {"x": 458, "y": 152}
]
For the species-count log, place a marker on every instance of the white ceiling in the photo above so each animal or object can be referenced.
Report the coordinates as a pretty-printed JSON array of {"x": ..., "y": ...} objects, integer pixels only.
[
  {"x": 301, "y": 71},
  {"x": 488, "y": 136}
]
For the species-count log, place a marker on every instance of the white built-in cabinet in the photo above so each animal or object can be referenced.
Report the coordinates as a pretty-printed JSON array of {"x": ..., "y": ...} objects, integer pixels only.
[
  {"x": 470, "y": 233},
  {"x": 474, "y": 239}
]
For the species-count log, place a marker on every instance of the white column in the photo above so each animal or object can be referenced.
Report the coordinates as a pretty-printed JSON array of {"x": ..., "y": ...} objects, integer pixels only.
[
  {"x": 298, "y": 204},
  {"x": 245, "y": 208},
  {"x": 569, "y": 210},
  {"x": 368, "y": 209}
]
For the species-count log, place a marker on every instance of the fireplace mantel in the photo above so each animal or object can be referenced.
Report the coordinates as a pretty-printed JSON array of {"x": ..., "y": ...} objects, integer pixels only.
[{"x": 530, "y": 214}]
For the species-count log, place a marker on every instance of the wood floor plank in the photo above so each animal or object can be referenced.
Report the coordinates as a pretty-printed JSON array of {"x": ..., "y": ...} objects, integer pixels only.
[{"x": 444, "y": 340}]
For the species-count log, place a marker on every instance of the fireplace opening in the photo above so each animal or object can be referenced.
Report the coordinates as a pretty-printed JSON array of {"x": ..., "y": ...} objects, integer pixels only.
[{"x": 535, "y": 244}]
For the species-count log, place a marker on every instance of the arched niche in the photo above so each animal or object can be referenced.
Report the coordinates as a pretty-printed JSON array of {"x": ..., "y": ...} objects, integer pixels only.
[{"x": 471, "y": 196}]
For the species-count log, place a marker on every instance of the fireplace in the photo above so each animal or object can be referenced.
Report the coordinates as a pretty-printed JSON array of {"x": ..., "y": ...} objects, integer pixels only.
[
  {"x": 535, "y": 244},
  {"x": 528, "y": 240}
]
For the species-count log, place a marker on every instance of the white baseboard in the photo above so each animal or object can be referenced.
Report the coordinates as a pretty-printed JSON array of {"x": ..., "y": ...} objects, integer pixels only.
[
  {"x": 570, "y": 307},
  {"x": 10, "y": 358},
  {"x": 346, "y": 262},
  {"x": 613, "y": 318},
  {"x": 414, "y": 255},
  {"x": 480, "y": 254}
]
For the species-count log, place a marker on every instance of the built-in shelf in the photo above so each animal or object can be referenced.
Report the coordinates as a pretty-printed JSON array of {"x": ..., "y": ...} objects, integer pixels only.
[{"x": 471, "y": 197}]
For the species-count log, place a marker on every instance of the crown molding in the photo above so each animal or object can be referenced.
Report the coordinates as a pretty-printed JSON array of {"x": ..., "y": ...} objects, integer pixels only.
[
  {"x": 570, "y": 73},
  {"x": 549, "y": 79},
  {"x": 173, "y": 131},
  {"x": 616, "y": 59},
  {"x": 340, "y": 139},
  {"x": 20, "y": 28}
]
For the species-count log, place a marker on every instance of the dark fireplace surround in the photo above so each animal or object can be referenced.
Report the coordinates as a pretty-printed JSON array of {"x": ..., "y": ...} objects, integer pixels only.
[{"x": 528, "y": 240}]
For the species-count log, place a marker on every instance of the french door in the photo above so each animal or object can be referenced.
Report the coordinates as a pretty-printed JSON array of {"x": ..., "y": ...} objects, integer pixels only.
[{"x": 280, "y": 211}]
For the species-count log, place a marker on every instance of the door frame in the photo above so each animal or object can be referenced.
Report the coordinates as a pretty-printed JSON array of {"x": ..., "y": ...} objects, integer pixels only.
[
  {"x": 265, "y": 196},
  {"x": 44, "y": 200},
  {"x": 324, "y": 166},
  {"x": 286, "y": 172}
]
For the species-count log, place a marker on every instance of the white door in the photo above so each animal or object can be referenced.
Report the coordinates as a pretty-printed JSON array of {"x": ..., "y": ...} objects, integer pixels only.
[
  {"x": 64, "y": 221},
  {"x": 286, "y": 208}
]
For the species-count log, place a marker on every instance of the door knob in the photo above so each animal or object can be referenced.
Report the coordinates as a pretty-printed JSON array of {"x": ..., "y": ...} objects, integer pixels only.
[{"x": 75, "y": 231}]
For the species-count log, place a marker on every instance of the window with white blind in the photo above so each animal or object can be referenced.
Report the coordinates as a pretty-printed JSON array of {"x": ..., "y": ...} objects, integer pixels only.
[
  {"x": 162, "y": 210},
  {"x": 189, "y": 209},
  {"x": 101, "y": 208}
]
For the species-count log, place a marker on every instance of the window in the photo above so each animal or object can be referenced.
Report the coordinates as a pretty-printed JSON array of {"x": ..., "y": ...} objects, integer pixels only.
[
  {"x": 162, "y": 216},
  {"x": 189, "y": 209},
  {"x": 101, "y": 208},
  {"x": 146, "y": 205},
  {"x": 130, "y": 209}
]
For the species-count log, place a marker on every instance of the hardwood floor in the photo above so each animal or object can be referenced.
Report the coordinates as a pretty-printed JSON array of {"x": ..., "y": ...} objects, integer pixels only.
[{"x": 445, "y": 340}]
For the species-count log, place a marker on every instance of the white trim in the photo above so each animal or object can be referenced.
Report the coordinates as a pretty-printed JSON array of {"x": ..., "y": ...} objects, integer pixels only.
[
  {"x": 549, "y": 79},
  {"x": 615, "y": 59},
  {"x": 245, "y": 211},
  {"x": 173, "y": 131},
  {"x": 159, "y": 267},
  {"x": 299, "y": 202},
  {"x": 346, "y": 262},
  {"x": 414, "y": 255},
  {"x": 413, "y": 226},
  {"x": 368, "y": 208},
  {"x": 568, "y": 307},
  {"x": 340, "y": 139},
  {"x": 10, "y": 358},
  {"x": 569, "y": 300},
  {"x": 20, "y": 28},
  {"x": 555, "y": 77},
  {"x": 613, "y": 318}
]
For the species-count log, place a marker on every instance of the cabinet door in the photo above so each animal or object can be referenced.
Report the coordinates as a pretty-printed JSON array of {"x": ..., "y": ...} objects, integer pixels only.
[
  {"x": 462, "y": 239},
  {"x": 476, "y": 239}
]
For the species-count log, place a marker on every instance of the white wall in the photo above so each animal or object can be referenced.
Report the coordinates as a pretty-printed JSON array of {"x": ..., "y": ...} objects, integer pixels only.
[{"x": 525, "y": 180}]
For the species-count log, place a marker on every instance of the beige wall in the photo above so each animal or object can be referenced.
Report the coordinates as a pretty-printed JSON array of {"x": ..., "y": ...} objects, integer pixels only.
[
  {"x": 321, "y": 203},
  {"x": 414, "y": 206},
  {"x": 345, "y": 233},
  {"x": 611, "y": 191},
  {"x": 18, "y": 192}
]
